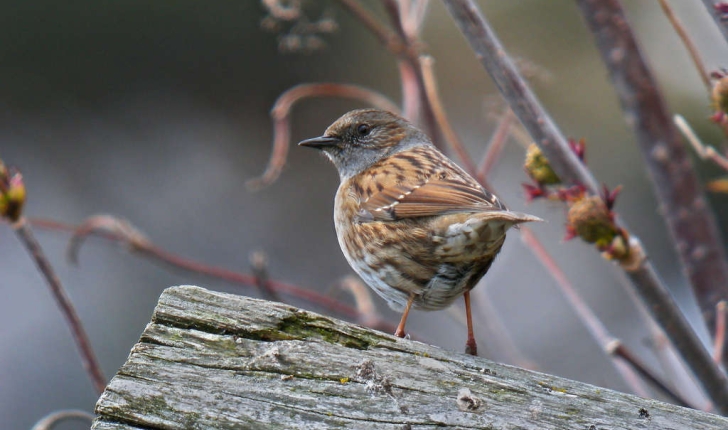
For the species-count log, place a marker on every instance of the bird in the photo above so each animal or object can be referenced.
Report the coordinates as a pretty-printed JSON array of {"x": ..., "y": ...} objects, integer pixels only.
[{"x": 416, "y": 227}]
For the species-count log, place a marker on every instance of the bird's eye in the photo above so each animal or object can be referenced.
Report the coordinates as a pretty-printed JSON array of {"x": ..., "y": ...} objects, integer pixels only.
[{"x": 363, "y": 129}]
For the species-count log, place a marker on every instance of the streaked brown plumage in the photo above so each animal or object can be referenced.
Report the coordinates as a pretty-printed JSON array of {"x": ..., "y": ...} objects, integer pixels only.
[{"x": 416, "y": 227}]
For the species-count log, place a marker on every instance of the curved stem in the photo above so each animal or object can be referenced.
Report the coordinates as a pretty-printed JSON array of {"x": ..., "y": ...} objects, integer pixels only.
[{"x": 90, "y": 363}]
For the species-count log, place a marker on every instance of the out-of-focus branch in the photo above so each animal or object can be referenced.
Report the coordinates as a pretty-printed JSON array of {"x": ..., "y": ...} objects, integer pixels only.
[
  {"x": 571, "y": 170},
  {"x": 427, "y": 64},
  {"x": 500, "y": 337},
  {"x": 690, "y": 221},
  {"x": 88, "y": 357},
  {"x": 519, "y": 96},
  {"x": 703, "y": 151},
  {"x": 363, "y": 299},
  {"x": 720, "y": 328},
  {"x": 406, "y": 28},
  {"x": 593, "y": 324},
  {"x": 617, "y": 349},
  {"x": 496, "y": 336},
  {"x": 115, "y": 230},
  {"x": 586, "y": 315},
  {"x": 495, "y": 146},
  {"x": 404, "y": 43},
  {"x": 281, "y": 119},
  {"x": 689, "y": 45},
  {"x": 411, "y": 100},
  {"x": 391, "y": 40},
  {"x": 259, "y": 267},
  {"x": 718, "y": 16},
  {"x": 50, "y": 420},
  {"x": 392, "y": 8},
  {"x": 413, "y": 15},
  {"x": 12, "y": 201},
  {"x": 661, "y": 304}
]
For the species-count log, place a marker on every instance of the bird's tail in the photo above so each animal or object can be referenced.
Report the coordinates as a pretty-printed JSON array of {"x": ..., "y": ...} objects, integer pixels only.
[{"x": 512, "y": 217}]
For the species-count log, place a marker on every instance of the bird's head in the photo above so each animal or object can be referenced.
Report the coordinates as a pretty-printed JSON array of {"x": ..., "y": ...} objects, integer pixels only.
[{"x": 361, "y": 138}]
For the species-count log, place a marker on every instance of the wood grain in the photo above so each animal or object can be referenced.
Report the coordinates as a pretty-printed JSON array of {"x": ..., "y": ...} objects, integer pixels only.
[{"x": 214, "y": 360}]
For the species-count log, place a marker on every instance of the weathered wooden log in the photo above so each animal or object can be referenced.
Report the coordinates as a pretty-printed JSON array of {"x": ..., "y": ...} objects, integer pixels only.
[{"x": 214, "y": 360}]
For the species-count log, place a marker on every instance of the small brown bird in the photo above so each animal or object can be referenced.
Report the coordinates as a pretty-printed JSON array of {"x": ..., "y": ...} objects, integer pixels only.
[{"x": 416, "y": 227}]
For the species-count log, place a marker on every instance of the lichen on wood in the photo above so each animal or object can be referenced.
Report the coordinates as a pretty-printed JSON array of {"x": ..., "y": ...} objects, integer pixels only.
[{"x": 214, "y": 360}]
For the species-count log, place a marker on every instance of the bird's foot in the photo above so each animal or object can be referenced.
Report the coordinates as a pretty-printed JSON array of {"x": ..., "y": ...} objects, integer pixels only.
[{"x": 471, "y": 347}]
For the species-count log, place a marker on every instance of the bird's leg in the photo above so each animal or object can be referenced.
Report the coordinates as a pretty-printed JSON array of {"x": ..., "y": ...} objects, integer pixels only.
[
  {"x": 470, "y": 346},
  {"x": 400, "y": 328}
]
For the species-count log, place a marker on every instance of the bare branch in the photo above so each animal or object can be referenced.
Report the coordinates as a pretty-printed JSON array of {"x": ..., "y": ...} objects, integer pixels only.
[
  {"x": 593, "y": 324},
  {"x": 690, "y": 221},
  {"x": 720, "y": 328},
  {"x": 111, "y": 226},
  {"x": 519, "y": 96},
  {"x": 50, "y": 420},
  {"x": 570, "y": 169},
  {"x": 148, "y": 249},
  {"x": 363, "y": 299},
  {"x": 703, "y": 151},
  {"x": 617, "y": 349},
  {"x": 495, "y": 146},
  {"x": 428, "y": 73},
  {"x": 662, "y": 306},
  {"x": 88, "y": 357},
  {"x": 588, "y": 318},
  {"x": 392, "y": 41},
  {"x": 689, "y": 45},
  {"x": 282, "y": 127},
  {"x": 259, "y": 267},
  {"x": 496, "y": 336},
  {"x": 416, "y": 105}
]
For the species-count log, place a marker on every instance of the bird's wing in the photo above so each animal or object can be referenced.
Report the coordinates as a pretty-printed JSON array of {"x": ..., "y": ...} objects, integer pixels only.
[{"x": 427, "y": 197}]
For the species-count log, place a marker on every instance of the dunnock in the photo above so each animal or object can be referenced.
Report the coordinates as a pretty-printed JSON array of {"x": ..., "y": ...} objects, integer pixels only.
[{"x": 416, "y": 227}]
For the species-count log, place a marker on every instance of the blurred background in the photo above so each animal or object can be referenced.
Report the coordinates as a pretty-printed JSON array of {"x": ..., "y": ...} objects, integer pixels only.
[{"x": 158, "y": 112}]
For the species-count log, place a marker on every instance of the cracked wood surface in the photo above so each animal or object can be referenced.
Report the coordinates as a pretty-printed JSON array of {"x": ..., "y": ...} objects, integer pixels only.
[{"x": 214, "y": 360}]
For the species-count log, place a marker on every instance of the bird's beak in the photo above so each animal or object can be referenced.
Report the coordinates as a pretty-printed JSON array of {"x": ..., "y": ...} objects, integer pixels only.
[{"x": 320, "y": 142}]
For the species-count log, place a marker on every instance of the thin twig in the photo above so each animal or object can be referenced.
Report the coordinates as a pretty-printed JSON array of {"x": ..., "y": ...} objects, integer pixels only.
[
  {"x": 147, "y": 249},
  {"x": 590, "y": 320},
  {"x": 259, "y": 267},
  {"x": 593, "y": 324},
  {"x": 392, "y": 8},
  {"x": 662, "y": 306},
  {"x": 518, "y": 94},
  {"x": 411, "y": 102},
  {"x": 521, "y": 136},
  {"x": 392, "y": 41},
  {"x": 363, "y": 299},
  {"x": 495, "y": 146},
  {"x": 673, "y": 367},
  {"x": 412, "y": 70},
  {"x": 689, "y": 45},
  {"x": 50, "y": 420},
  {"x": 703, "y": 151},
  {"x": 281, "y": 123},
  {"x": 499, "y": 339},
  {"x": 717, "y": 17},
  {"x": 691, "y": 223},
  {"x": 428, "y": 74},
  {"x": 617, "y": 349},
  {"x": 111, "y": 227},
  {"x": 414, "y": 16},
  {"x": 90, "y": 363},
  {"x": 570, "y": 169},
  {"x": 720, "y": 327},
  {"x": 406, "y": 48}
]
